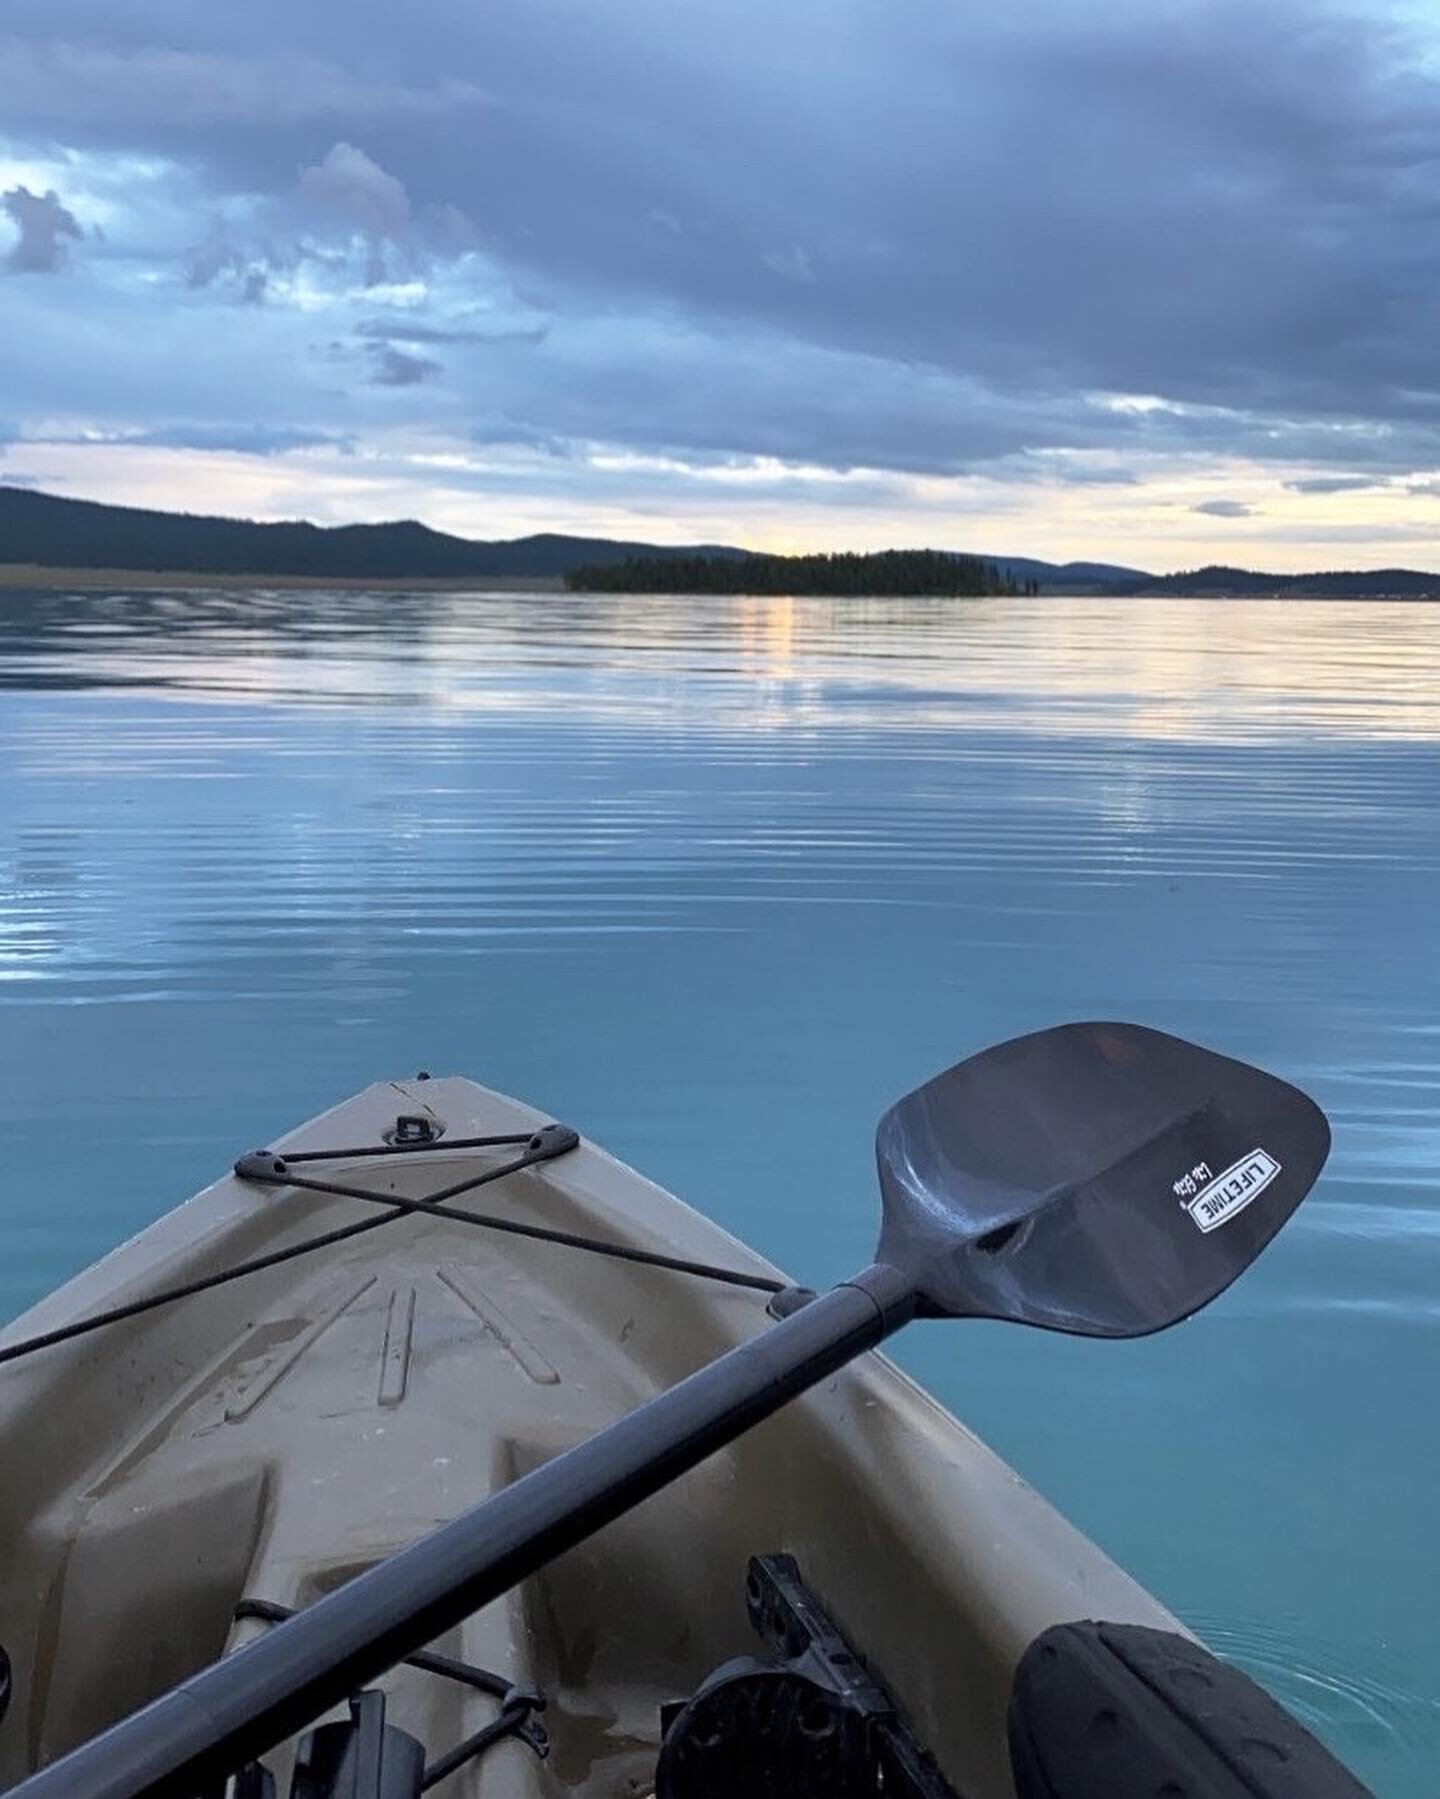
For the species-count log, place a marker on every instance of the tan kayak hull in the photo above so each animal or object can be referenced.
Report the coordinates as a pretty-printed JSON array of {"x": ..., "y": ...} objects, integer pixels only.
[{"x": 270, "y": 1438}]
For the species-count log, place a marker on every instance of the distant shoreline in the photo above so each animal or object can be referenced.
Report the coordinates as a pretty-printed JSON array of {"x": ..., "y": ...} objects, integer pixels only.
[
  {"x": 23, "y": 574},
  {"x": 35, "y": 576}
]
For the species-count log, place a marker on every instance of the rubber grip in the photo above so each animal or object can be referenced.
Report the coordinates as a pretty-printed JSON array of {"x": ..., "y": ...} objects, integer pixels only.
[{"x": 1118, "y": 1711}]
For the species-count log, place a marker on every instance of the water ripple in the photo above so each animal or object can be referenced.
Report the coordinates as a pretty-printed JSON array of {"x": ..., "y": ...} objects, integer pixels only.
[
  {"x": 1378, "y": 1712},
  {"x": 717, "y": 880}
]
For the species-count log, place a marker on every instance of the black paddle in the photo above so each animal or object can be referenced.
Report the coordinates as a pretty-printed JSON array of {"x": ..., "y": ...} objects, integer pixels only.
[{"x": 1101, "y": 1179}]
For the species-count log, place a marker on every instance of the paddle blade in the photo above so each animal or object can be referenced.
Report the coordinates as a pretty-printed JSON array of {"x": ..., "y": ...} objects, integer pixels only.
[{"x": 1102, "y": 1179}]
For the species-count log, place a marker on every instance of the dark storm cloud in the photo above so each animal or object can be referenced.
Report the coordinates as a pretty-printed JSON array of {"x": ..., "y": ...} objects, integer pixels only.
[
  {"x": 45, "y": 229},
  {"x": 1070, "y": 474},
  {"x": 405, "y": 331},
  {"x": 1328, "y": 484},
  {"x": 398, "y": 368},
  {"x": 80, "y": 81},
  {"x": 910, "y": 235}
]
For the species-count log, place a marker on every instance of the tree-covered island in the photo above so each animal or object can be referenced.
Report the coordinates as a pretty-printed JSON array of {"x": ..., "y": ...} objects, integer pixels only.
[{"x": 909, "y": 572}]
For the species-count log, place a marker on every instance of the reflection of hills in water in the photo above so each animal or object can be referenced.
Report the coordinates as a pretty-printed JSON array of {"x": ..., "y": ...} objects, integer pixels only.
[
  {"x": 192, "y": 640},
  {"x": 1247, "y": 671}
]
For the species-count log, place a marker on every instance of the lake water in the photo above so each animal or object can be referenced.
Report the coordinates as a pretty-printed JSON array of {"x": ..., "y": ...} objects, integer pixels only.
[{"x": 715, "y": 881}]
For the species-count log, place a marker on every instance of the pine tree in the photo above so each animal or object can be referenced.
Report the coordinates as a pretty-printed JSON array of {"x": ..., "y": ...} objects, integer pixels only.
[{"x": 886, "y": 572}]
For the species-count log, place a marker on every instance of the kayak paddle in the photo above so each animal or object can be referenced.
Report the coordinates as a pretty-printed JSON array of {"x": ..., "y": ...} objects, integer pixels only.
[{"x": 1100, "y": 1179}]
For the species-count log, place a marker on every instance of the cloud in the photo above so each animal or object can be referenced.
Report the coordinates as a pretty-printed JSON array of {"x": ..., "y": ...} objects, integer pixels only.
[
  {"x": 793, "y": 264},
  {"x": 247, "y": 440},
  {"x": 343, "y": 205},
  {"x": 349, "y": 186},
  {"x": 12, "y": 479},
  {"x": 44, "y": 225},
  {"x": 76, "y": 85},
  {"x": 344, "y": 197},
  {"x": 248, "y": 269},
  {"x": 1074, "y": 469},
  {"x": 397, "y": 368},
  {"x": 495, "y": 428},
  {"x": 407, "y": 331},
  {"x": 688, "y": 238},
  {"x": 1224, "y": 509},
  {"x": 1323, "y": 484}
]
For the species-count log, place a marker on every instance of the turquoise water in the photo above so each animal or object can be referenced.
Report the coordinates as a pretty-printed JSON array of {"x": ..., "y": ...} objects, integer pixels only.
[{"x": 715, "y": 881}]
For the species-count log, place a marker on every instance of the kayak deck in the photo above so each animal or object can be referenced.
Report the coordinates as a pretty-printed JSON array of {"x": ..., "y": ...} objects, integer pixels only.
[{"x": 268, "y": 1439}]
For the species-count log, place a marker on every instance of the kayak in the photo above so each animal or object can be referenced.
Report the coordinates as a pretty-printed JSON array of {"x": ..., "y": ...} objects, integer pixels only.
[{"x": 180, "y": 1480}]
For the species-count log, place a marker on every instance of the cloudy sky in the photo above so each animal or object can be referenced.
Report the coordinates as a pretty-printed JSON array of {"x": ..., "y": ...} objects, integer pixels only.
[{"x": 1156, "y": 281}]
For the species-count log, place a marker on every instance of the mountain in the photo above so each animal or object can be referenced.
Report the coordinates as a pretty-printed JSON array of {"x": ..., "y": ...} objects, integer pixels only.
[
  {"x": 1071, "y": 577},
  {"x": 1363, "y": 584},
  {"x": 46, "y": 531},
  {"x": 50, "y": 532}
]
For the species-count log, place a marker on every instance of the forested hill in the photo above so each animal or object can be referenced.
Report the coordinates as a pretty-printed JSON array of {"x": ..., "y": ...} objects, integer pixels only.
[
  {"x": 908, "y": 572},
  {"x": 49, "y": 532},
  {"x": 1364, "y": 584},
  {"x": 44, "y": 531}
]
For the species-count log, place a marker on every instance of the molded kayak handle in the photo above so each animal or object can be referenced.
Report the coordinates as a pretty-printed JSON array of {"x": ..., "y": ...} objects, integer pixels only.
[{"x": 1117, "y": 1711}]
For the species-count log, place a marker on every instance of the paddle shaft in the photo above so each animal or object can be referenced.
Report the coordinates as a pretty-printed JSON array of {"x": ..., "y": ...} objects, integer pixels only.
[{"x": 252, "y": 1700}]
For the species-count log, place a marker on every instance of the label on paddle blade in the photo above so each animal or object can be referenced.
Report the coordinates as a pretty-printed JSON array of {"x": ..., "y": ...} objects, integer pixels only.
[{"x": 1232, "y": 1190}]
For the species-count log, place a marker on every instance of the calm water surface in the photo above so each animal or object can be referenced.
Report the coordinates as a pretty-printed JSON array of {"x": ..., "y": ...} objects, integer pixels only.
[{"x": 715, "y": 881}]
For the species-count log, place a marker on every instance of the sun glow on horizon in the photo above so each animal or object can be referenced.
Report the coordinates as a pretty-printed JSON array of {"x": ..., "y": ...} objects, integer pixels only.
[{"x": 1157, "y": 524}]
